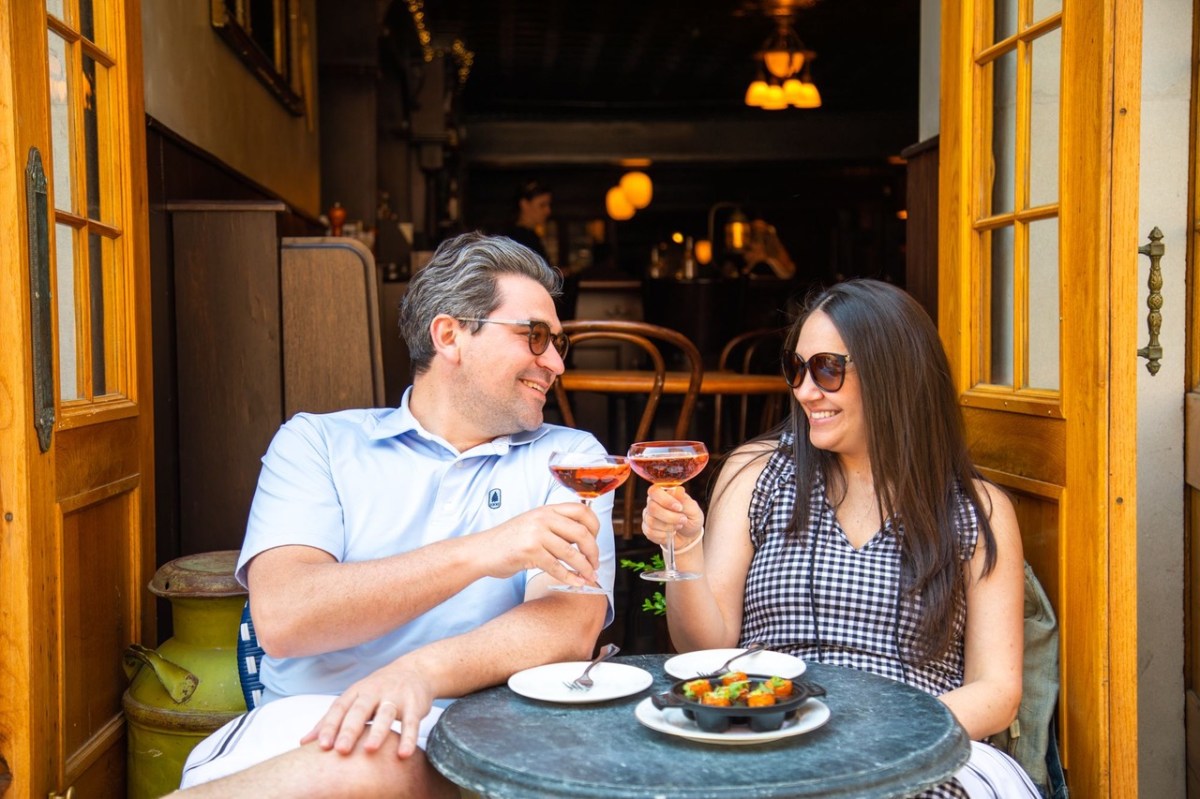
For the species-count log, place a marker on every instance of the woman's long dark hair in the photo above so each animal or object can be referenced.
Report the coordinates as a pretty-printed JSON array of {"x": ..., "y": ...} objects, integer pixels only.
[{"x": 915, "y": 439}]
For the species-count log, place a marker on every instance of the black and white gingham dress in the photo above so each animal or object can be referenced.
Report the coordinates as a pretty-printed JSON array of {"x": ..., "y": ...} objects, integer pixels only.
[{"x": 817, "y": 597}]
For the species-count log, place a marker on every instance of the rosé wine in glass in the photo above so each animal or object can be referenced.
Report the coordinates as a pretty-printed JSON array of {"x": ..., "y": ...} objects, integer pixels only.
[{"x": 589, "y": 475}]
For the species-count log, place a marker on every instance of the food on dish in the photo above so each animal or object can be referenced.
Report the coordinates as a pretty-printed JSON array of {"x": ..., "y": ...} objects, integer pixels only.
[
  {"x": 760, "y": 701},
  {"x": 781, "y": 686},
  {"x": 762, "y": 696},
  {"x": 736, "y": 688}
]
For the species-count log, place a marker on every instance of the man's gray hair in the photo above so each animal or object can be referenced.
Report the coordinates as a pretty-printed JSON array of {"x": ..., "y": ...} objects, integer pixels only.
[{"x": 460, "y": 281}]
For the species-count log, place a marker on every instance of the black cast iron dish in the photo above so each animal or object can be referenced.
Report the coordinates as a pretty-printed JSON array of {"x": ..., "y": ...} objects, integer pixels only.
[{"x": 718, "y": 719}]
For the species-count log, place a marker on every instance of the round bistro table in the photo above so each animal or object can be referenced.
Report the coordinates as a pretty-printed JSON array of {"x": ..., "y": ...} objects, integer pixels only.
[{"x": 883, "y": 739}]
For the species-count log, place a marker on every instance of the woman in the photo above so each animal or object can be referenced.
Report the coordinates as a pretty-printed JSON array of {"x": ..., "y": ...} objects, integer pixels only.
[{"x": 858, "y": 533}]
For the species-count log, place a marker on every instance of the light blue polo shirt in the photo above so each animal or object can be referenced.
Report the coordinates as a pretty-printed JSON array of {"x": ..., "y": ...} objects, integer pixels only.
[{"x": 366, "y": 484}]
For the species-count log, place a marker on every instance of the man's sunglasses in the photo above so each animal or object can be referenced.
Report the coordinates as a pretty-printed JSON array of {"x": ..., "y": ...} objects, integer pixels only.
[
  {"x": 540, "y": 336},
  {"x": 828, "y": 370}
]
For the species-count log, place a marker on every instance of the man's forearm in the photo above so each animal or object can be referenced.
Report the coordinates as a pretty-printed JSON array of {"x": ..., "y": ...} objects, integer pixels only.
[
  {"x": 304, "y": 602},
  {"x": 546, "y": 630}
]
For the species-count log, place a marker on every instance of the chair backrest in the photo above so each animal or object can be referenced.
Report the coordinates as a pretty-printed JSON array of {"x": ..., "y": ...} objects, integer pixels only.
[
  {"x": 249, "y": 657},
  {"x": 649, "y": 391},
  {"x": 330, "y": 318},
  {"x": 753, "y": 352}
]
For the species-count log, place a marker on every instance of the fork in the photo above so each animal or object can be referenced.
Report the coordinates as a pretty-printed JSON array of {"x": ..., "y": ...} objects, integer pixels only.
[
  {"x": 724, "y": 667},
  {"x": 583, "y": 682}
]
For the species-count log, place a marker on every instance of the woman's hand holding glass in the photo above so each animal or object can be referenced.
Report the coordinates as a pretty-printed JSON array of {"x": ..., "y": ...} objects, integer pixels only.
[
  {"x": 671, "y": 515},
  {"x": 669, "y": 464}
]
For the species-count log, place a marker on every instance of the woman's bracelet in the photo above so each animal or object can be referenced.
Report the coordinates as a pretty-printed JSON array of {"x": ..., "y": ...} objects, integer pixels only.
[{"x": 693, "y": 543}]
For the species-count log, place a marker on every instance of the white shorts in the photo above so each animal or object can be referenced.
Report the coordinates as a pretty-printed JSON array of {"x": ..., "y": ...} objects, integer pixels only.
[
  {"x": 992, "y": 774},
  {"x": 265, "y": 732}
]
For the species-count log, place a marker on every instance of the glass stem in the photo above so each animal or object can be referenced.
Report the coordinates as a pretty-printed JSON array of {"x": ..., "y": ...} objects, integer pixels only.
[{"x": 669, "y": 550}]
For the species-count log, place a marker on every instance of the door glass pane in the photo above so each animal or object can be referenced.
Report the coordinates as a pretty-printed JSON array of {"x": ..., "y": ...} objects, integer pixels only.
[
  {"x": 1044, "y": 313},
  {"x": 1004, "y": 19},
  {"x": 55, "y": 7},
  {"x": 68, "y": 346},
  {"x": 96, "y": 287},
  {"x": 1043, "y": 119},
  {"x": 1004, "y": 131},
  {"x": 1044, "y": 8},
  {"x": 91, "y": 136},
  {"x": 1001, "y": 285},
  {"x": 60, "y": 123}
]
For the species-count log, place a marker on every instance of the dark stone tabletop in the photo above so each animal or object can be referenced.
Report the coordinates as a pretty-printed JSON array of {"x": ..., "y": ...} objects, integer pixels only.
[{"x": 883, "y": 739}]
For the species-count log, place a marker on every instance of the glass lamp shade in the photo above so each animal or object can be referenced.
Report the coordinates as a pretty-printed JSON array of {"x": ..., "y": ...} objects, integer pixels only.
[
  {"x": 703, "y": 251},
  {"x": 618, "y": 205},
  {"x": 783, "y": 63},
  {"x": 807, "y": 96},
  {"x": 737, "y": 229},
  {"x": 792, "y": 90},
  {"x": 774, "y": 100},
  {"x": 637, "y": 188},
  {"x": 756, "y": 93}
]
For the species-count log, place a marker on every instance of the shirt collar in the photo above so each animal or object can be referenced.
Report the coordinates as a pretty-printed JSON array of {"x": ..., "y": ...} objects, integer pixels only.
[{"x": 400, "y": 421}]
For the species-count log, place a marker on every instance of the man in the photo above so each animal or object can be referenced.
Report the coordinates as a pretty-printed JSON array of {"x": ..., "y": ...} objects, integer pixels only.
[{"x": 398, "y": 557}]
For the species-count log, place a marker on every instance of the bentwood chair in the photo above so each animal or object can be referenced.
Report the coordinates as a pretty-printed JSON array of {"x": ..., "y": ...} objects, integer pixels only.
[
  {"x": 645, "y": 379},
  {"x": 753, "y": 352}
]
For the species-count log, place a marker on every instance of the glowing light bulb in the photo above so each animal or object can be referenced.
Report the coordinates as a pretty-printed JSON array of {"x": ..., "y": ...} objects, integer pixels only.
[
  {"x": 756, "y": 93},
  {"x": 637, "y": 188},
  {"x": 618, "y": 205}
]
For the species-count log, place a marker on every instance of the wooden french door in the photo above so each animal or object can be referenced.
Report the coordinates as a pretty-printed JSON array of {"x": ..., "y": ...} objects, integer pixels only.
[
  {"x": 1037, "y": 306},
  {"x": 76, "y": 477}
]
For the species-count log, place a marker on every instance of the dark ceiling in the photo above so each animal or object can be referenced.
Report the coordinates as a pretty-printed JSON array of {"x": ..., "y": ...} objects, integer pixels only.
[{"x": 556, "y": 59}]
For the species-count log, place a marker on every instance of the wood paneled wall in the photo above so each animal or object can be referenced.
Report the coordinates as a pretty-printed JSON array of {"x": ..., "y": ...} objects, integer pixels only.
[{"x": 921, "y": 244}]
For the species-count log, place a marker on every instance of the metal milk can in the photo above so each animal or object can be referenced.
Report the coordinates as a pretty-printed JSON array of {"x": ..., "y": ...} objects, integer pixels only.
[{"x": 189, "y": 686}]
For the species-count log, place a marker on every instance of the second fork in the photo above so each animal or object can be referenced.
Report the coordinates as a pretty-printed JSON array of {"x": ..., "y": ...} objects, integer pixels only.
[{"x": 583, "y": 682}]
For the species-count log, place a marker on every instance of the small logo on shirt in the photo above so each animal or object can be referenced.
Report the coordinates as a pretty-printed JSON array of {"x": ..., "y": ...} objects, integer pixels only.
[{"x": 494, "y": 498}]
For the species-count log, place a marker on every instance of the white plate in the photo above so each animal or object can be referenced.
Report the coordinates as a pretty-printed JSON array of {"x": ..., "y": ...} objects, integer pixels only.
[
  {"x": 809, "y": 716},
  {"x": 612, "y": 680},
  {"x": 706, "y": 661}
]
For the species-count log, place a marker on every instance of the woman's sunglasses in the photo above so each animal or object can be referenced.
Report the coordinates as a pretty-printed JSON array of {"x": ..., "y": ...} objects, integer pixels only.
[
  {"x": 828, "y": 370},
  {"x": 540, "y": 336}
]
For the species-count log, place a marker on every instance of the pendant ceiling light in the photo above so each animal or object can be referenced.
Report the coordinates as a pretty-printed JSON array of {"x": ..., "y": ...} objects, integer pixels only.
[
  {"x": 781, "y": 83},
  {"x": 617, "y": 204},
  {"x": 632, "y": 193},
  {"x": 637, "y": 188}
]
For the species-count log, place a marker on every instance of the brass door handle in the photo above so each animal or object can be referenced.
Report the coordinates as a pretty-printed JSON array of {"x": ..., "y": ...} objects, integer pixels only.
[
  {"x": 40, "y": 301},
  {"x": 70, "y": 794},
  {"x": 1153, "y": 351}
]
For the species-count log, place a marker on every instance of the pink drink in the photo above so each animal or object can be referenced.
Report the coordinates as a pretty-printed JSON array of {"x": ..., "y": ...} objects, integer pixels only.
[
  {"x": 671, "y": 469},
  {"x": 590, "y": 482}
]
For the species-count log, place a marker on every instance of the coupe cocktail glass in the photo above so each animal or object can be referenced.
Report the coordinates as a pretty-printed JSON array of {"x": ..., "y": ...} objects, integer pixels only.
[
  {"x": 589, "y": 475},
  {"x": 668, "y": 463}
]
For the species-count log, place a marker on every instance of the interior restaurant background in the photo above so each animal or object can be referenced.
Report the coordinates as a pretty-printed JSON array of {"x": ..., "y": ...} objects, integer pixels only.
[{"x": 419, "y": 118}]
